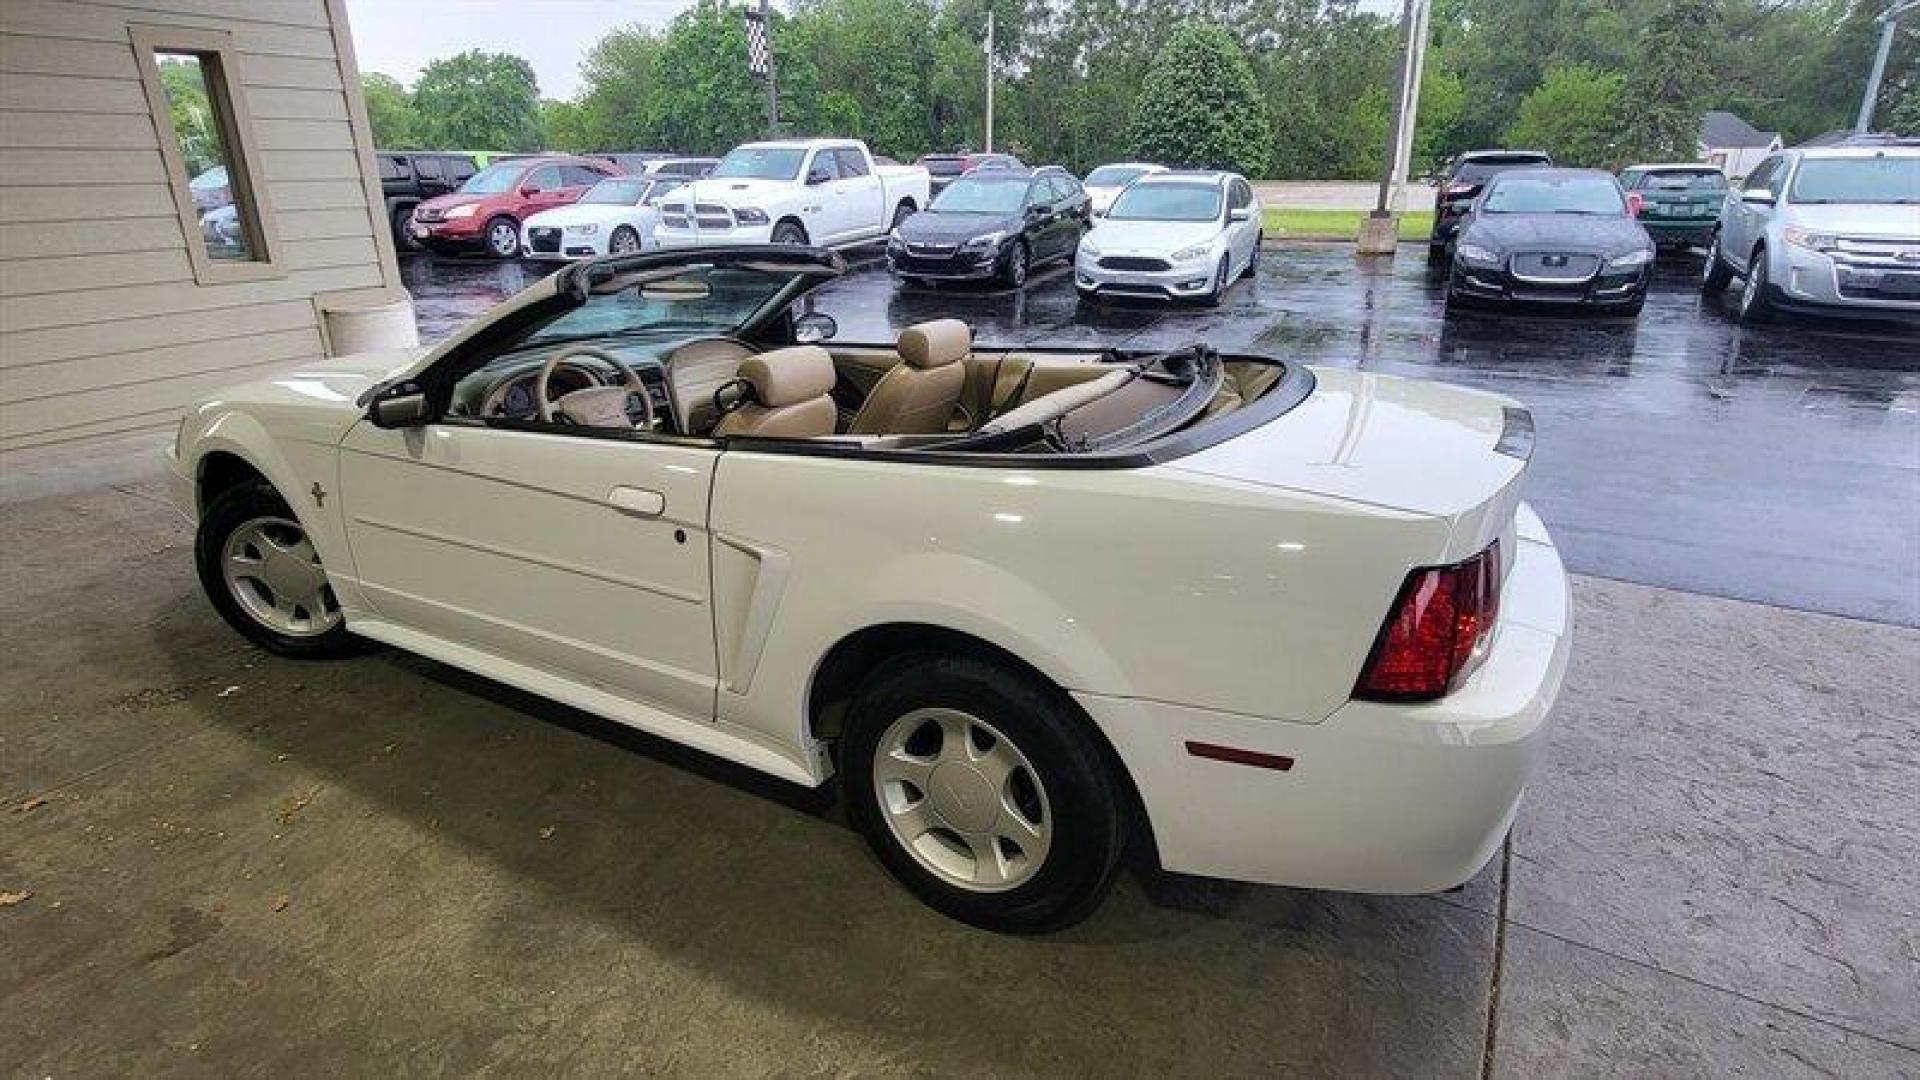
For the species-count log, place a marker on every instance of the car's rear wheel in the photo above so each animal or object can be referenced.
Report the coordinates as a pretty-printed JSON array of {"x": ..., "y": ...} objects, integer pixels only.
[
  {"x": 982, "y": 791},
  {"x": 1716, "y": 274},
  {"x": 1756, "y": 299},
  {"x": 503, "y": 237},
  {"x": 624, "y": 241},
  {"x": 264, "y": 576}
]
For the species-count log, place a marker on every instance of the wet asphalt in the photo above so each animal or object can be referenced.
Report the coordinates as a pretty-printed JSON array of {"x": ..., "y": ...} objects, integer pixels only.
[{"x": 1779, "y": 463}]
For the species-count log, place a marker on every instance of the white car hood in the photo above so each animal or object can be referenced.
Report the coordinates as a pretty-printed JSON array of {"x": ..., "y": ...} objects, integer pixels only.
[
  {"x": 728, "y": 191},
  {"x": 588, "y": 214},
  {"x": 1857, "y": 219},
  {"x": 1149, "y": 237}
]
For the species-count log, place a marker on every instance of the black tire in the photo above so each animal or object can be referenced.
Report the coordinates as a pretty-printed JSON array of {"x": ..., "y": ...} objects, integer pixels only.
[
  {"x": 1253, "y": 260},
  {"x": 1083, "y": 798},
  {"x": 1716, "y": 274},
  {"x": 1013, "y": 272},
  {"x": 237, "y": 507},
  {"x": 1756, "y": 296},
  {"x": 403, "y": 230},
  {"x": 624, "y": 235},
  {"x": 1222, "y": 277},
  {"x": 501, "y": 237},
  {"x": 789, "y": 232},
  {"x": 1436, "y": 251}
]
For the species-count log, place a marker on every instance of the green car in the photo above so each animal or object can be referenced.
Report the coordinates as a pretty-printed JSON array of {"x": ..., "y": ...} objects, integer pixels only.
[{"x": 1679, "y": 204}]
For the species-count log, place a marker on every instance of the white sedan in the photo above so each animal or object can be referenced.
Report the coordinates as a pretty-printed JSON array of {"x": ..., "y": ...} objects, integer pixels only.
[
  {"x": 616, "y": 216},
  {"x": 1027, "y": 609},
  {"x": 1172, "y": 235},
  {"x": 1105, "y": 183}
]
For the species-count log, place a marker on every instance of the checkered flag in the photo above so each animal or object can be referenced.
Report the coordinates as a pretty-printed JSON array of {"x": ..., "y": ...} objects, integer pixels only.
[{"x": 759, "y": 53}]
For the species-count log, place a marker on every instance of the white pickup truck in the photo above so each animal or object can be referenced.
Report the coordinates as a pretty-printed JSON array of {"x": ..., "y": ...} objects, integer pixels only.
[{"x": 825, "y": 192}]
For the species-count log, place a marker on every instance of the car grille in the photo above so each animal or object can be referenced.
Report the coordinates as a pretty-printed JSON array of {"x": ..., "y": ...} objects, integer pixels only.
[
  {"x": 545, "y": 238},
  {"x": 1133, "y": 262},
  {"x": 674, "y": 216},
  {"x": 713, "y": 216},
  {"x": 1879, "y": 284},
  {"x": 1554, "y": 266},
  {"x": 936, "y": 250}
]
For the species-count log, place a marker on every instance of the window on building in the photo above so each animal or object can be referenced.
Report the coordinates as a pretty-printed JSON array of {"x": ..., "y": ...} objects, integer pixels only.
[{"x": 206, "y": 141}]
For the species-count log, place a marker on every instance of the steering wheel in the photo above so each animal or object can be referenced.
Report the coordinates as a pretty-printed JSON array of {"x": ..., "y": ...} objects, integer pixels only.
[{"x": 595, "y": 406}]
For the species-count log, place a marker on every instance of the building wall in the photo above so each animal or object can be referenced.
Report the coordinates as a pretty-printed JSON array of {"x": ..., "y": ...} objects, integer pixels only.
[{"x": 103, "y": 327}]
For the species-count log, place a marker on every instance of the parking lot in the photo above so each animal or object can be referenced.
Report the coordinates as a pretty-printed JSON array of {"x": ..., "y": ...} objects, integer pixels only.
[{"x": 1717, "y": 870}]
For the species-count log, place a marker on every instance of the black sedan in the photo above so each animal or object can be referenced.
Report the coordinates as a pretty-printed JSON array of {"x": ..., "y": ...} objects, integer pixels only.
[
  {"x": 992, "y": 223},
  {"x": 1551, "y": 236}
]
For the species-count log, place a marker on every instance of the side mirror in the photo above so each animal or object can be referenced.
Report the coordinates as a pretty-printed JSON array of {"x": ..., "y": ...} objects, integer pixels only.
[
  {"x": 817, "y": 176},
  {"x": 1036, "y": 211},
  {"x": 399, "y": 406},
  {"x": 1759, "y": 196},
  {"x": 1240, "y": 213},
  {"x": 814, "y": 326}
]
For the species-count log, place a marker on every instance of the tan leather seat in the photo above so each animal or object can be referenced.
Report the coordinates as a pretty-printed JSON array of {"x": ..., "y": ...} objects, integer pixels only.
[
  {"x": 790, "y": 399},
  {"x": 918, "y": 396}
]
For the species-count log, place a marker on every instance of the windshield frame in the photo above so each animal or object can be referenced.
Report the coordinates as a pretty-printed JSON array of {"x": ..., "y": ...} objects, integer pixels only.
[
  {"x": 1136, "y": 192},
  {"x": 767, "y": 154}
]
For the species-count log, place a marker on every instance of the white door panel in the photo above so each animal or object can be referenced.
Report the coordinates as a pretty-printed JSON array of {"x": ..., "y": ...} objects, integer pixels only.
[{"x": 579, "y": 555}]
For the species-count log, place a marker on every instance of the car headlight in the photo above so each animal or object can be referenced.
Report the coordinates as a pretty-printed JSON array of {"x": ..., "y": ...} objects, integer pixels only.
[
  {"x": 464, "y": 210},
  {"x": 1476, "y": 255},
  {"x": 1812, "y": 241},
  {"x": 1189, "y": 254},
  {"x": 750, "y": 216},
  {"x": 583, "y": 230},
  {"x": 1088, "y": 248},
  {"x": 983, "y": 242},
  {"x": 1637, "y": 257}
]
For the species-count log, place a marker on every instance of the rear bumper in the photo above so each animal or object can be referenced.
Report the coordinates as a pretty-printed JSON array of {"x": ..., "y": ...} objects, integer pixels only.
[
  {"x": 1380, "y": 798},
  {"x": 1680, "y": 231}
]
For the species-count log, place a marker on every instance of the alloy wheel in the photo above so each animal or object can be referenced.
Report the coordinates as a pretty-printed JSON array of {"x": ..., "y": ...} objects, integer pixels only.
[
  {"x": 273, "y": 572},
  {"x": 962, "y": 800},
  {"x": 1017, "y": 266},
  {"x": 624, "y": 242},
  {"x": 503, "y": 238}
]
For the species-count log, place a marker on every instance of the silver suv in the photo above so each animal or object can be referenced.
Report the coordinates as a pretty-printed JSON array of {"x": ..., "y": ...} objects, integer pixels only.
[{"x": 1833, "y": 229}]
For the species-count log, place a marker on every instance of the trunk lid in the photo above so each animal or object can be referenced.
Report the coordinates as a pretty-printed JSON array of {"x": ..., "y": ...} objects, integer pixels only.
[{"x": 1403, "y": 444}]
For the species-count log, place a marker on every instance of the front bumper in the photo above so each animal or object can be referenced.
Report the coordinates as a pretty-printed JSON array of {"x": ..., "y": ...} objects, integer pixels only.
[
  {"x": 565, "y": 247},
  {"x": 1607, "y": 289},
  {"x": 453, "y": 234},
  {"x": 1178, "y": 281},
  {"x": 1822, "y": 284},
  {"x": 735, "y": 236},
  {"x": 952, "y": 265},
  {"x": 1380, "y": 798}
]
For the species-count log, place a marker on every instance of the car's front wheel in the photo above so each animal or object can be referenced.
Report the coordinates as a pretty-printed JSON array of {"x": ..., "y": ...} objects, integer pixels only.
[
  {"x": 503, "y": 238},
  {"x": 1013, "y": 273},
  {"x": 982, "y": 790},
  {"x": 1715, "y": 275},
  {"x": 624, "y": 241},
  {"x": 1222, "y": 277},
  {"x": 264, "y": 576},
  {"x": 1756, "y": 296}
]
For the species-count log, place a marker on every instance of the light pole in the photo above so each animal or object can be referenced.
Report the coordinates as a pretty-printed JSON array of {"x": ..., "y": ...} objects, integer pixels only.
[
  {"x": 988, "y": 147},
  {"x": 760, "y": 60},
  {"x": 1380, "y": 230},
  {"x": 1888, "y": 18}
]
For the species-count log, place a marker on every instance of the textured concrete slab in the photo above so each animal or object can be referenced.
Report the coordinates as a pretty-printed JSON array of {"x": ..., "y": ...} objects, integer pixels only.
[{"x": 1732, "y": 793}]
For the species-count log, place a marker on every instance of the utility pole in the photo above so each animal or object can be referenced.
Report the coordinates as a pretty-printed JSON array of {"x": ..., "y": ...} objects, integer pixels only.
[
  {"x": 760, "y": 60},
  {"x": 773, "y": 93},
  {"x": 988, "y": 148},
  {"x": 1380, "y": 230},
  {"x": 1863, "y": 122}
]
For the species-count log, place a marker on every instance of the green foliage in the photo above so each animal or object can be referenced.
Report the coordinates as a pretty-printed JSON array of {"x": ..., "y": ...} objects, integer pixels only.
[
  {"x": 479, "y": 101},
  {"x": 564, "y": 126},
  {"x": 619, "y": 77},
  {"x": 1573, "y": 115},
  {"x": 1199, "y": 105},
  {"x": 396, "y": 126},
  {"x": 1669, "y": 82},
  {"x": 194, "y": 123}
]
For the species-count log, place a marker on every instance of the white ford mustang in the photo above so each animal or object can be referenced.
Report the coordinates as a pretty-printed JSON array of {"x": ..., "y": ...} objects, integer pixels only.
[{"x": 1260, "y": 621}]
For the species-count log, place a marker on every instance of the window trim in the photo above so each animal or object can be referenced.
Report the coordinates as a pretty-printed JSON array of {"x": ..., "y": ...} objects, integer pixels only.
[{"x": 244, "y": 173}]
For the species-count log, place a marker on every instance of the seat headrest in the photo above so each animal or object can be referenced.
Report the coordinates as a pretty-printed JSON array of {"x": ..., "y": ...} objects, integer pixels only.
[
  {"x": 935, "y": 344},
  {"x": 788, "y": 376}
]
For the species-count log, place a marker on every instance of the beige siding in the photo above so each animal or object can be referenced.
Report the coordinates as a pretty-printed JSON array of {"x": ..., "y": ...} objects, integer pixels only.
[{"x": 103, "y": 328}]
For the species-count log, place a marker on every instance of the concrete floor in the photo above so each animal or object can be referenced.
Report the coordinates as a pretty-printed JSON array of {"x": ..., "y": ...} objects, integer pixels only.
[{"x": 239, "y": 865}]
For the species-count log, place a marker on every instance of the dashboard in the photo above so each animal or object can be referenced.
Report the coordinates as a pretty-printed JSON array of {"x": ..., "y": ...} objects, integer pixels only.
[{"x": 680, "y": 379}]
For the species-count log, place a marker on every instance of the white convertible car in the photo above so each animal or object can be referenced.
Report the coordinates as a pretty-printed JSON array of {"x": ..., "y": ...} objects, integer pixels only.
[{"x": 1255, "y": 620}]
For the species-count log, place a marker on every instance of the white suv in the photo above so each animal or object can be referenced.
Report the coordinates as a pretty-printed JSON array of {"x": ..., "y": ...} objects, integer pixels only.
[{"x": 1830, "y": 229}]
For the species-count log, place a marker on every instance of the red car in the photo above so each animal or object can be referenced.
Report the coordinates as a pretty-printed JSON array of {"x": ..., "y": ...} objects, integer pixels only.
[{"x": 485, "y": 213}]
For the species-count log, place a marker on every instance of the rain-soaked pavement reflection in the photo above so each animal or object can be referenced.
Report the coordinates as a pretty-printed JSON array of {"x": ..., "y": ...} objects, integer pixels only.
[{"x": 1779, "y": 464}]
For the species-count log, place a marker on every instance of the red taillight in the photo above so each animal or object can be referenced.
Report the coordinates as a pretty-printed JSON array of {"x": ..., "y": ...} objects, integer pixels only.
[{"x": 1436, "y": 633}]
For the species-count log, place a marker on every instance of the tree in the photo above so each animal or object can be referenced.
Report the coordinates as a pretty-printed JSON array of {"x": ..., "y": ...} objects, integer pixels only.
[
  {"x": 1199, "y": 104},
  {"x": 193, "y": 121},
  {"x": 563, "y": 126},
  {"x": 618, "y": 77},
  {"x": 1672, "y": 70},
  {"x": 1574, "y": 115},
  {"x": 479, "y": 101},
  {"x": 390, "y": 107}
]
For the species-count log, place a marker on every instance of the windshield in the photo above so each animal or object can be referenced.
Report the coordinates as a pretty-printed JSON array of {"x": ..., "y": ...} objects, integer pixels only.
[
  {"x": 760, "y": 164},
  {"x": 699, "y": 300},
  {"x": 1167, "y": 202},
  {"x": 1884, "y": 180},
  {"x": 1474, "y": 172},
  {"x": 1519, "y": 193},
  {"x": 492, "y": 180},
  {"x": 617, "y": 192},
  {"x": 981, "y": 195},
  {"x": 1113, "y": 175},
  {"x": 1683, "y": 180}
]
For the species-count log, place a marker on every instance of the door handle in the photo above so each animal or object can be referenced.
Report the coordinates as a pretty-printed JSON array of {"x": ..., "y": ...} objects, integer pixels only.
[{"x": 640, "y": 502}]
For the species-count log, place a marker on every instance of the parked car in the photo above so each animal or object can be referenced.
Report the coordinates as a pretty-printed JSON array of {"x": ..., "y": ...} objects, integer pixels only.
[
  {"x": 1461, "y": 184},
  {"x": 1679, "y": 202},
  {"x": 1104, "y": 183},
  {"x": 220, "y": 228},
  {"x": 1833, "y": 230},
  {"x": 485, "y": 213},
  {"x": 1261, "y": 621},
  {"x": 1172, "y": 234},
  {"x": 944, "y": 169},
  {"x": 616, "y": 216},
  {"x": 409, "y": 178},
  {"x": 655, "y": 163},
  {"x": 993, "y": 223},
  {"x": 799, "y": 191},
  {"x": 1551, "y": 236},
  {"x": 210, "y": 189}
]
